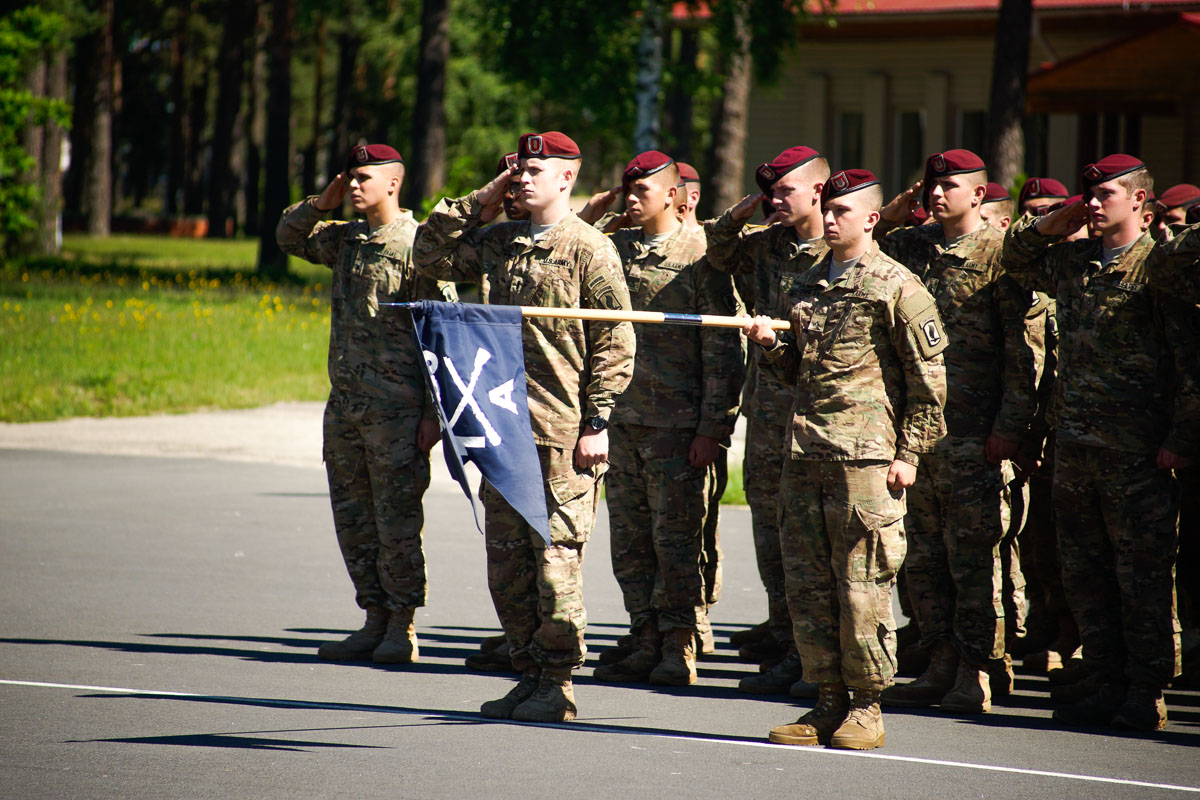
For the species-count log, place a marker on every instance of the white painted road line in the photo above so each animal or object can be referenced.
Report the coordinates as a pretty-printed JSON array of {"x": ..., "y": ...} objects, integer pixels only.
[{"x": 578, "y": 726}]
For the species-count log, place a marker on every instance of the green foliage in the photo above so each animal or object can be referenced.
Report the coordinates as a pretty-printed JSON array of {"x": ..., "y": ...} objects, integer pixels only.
[{"x": 25, "y": 35}]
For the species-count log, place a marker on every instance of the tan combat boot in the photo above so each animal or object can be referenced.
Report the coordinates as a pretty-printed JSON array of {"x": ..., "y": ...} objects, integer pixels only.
[
  {"x": 635, "y": 667},
  {"x": 360, "y": 644},
  {"x": 552, "y": 701},
  {"x": 504, "y": 707},
  {"x": 931, "y": 686},
  {"x": 399, "y": 645},
  {"x": 818, "y": 725},
  {"x": 1001, "y": 677},
  {"x": 863, "y": 728},
  {"x": 497, "y": 660},
  {"x": 971, "y": 693},
  {"x": 678, "y": 665}
]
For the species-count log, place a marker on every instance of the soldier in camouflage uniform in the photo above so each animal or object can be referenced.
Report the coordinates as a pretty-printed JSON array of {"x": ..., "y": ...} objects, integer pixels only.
[
  {"x": 668, "y": 429},
  {"x": 379, "y": 424},
  {"x": 1125, "y": 409},
  {"x": 864, "y": 356},
  {"x": 958, "y": 512},
  {"x": 575, "y": 371},
  {"x": 769, "y": 260}
]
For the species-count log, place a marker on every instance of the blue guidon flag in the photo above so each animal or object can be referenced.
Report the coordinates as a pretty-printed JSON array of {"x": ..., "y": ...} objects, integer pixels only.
[{"x": 475, "y": 367}]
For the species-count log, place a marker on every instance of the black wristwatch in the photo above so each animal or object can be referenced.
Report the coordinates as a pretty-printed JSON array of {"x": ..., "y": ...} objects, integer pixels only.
[{"x": 597, "y": 423}]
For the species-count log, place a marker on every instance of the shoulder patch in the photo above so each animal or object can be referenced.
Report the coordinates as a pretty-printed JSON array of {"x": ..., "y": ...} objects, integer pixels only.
[{"x": 918, "y": 311}]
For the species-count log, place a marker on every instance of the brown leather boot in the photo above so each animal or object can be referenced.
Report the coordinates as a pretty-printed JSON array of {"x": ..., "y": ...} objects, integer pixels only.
[
  {"x": 635, "y": 667},
  {"x": 818, "y": 725},
  {"x": 552, "y": 701},
  {"x": 399, "y": 645},
  {"x": 678, "y": 665},
  {"x": 971, "y": 693},
  {"x": 360, "y": 644},
  {"x": 931, "y": 686},
  {"x": 863, "y": 728},
  {"x": 504, "y": 707}
]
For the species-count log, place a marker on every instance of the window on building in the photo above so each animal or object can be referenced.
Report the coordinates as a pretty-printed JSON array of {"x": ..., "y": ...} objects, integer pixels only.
[
  {"x": 910, "y": 148},
  {"x": 849, "y": 152},
  {"x": 972, "y": 131}
]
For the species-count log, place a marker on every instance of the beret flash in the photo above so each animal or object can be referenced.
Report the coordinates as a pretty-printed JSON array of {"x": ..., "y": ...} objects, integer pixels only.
[
  {"x": 845, "y": 182},
  {"x": 507, "y": 162},
  {"x": 1036, "y": 188},
  {"x": 368, "y": 155},
  {"x": 644, "y": 165},
  {"x": 951, "y": 162},
  {"x": 1107, "y": 168},
  {"x": 551, "y": 144},
  {"x": 766, "y": 174}
]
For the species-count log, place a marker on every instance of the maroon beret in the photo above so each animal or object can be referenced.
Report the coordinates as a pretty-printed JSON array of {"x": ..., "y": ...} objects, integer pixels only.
[
  {"x": 996, "y": 193},
  {"x": 687, "y": 173},
  {"x": 368, "y": 155},
  {"x": 1184, "y": 194},
  {"x": 1109, "y": 167},
  {"x": 845, "y": 182},
  {"x": 645, "y": 164},
  {"x": 507, "y": 161},
  {"x": 766, "y": 174},
  {"x": 917, "y": 216},
  {"x": 1036, "y": 188},
  {"x": 550, "y": 144},
  {"x": 951, "y": 162}
]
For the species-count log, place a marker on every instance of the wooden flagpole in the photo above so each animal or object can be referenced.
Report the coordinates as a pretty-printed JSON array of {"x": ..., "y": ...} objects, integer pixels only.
[{"x": 651, "y": 317}]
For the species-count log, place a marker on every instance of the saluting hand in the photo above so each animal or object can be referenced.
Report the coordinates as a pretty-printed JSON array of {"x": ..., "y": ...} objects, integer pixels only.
[
  {"x": 901, "y": 205},
  {"x": 597, "y": 204},
  {"x": 745, "y": 207},
  {"x": 1063, "y": 221},
  {"x": 491, "y": 196},
  {"x": 334, "y": 193}
]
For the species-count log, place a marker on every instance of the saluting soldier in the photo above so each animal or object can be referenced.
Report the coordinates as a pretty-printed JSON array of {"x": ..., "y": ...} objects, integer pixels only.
[
  {"x": 379, "y": 423},
  {"x": 575, "y": 371}
]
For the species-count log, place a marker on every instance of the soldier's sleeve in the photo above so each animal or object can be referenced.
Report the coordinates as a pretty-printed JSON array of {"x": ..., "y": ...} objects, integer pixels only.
[
  {"x": 783, "y": 357},
  {"x": 1018, "y": 402},
  {"x": 611, "y": 345},
  {"x": 919, "y": 338},
  {"x": 730, "y": 248},
  {"x": 301, "y": 233},
  {"x": 1040, "y": 331},
  {"x": 1181, "y": 328},
  {"x": 449, "y": 243},
  {"x": 1173, "y": 267},
  {"x": 721, "y": 355},
  {"x": 1030, "y": 257},
  {"x": 895, "y": 242}
]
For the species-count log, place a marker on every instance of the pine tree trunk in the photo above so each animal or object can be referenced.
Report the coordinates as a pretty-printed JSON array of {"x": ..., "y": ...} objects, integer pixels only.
[
  {"x": 649, "y": 78},
  {"x": 256, "y": 128},
  {"x": 679, "y": 102},
  {"x": 50, "y": 235},
  {"x": 231, "y": 73},
  {"x": 1010, "y": 65},
  {"x": 309, "y": 181},
  {"x": 272, "y": 263},
  {"x": 729, "y": 132},
  {"x": 193, "y": 184},
  {"x": 99, "y": 181},
  {"x": 339, "y": 141},
  {"x": 177, "y": 150},
  {"x": 429, "y": 115}
]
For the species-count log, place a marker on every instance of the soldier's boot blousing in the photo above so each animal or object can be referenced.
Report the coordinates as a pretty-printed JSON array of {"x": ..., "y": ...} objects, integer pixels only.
[
  {"x": 552, "y": 701},
  {"x": 1143, "y": 710},
  {"x": 863, "y": 728},
  {"x": 399, "y": 645},
  {"x": 932, "y": 685},
  {"x": 705, "y": 643},
  {"x": 818, "y": 725},
  {"x": 522, "y": 691},
  {"x": 360, "y": 644},
  {"x": 971, "y": 693},
  {"x": 635, "y": 667},
  {"x": 678, "y": 665},
  {"x": 760, "y": 631},
  {"x": 779, "y": 679}
]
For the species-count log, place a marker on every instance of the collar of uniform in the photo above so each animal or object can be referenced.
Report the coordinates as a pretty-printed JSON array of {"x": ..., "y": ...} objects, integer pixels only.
[
  {"x": 1138, "y": 250},
  {"x": 382, "y": 232},
  {"x": 663, "y": 247},
  {"x": 547, "y": 242}
]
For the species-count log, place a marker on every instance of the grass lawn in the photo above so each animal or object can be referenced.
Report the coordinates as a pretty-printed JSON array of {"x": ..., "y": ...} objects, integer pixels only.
[{"x": 133, "y": 325}]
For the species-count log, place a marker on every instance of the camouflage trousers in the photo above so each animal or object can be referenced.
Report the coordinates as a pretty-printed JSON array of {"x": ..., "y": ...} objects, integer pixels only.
[
  {"x": 538, "y": 590},
  {"x": 842, "y": 538},
  {"x": 1187, "y": 578},
  {"x": 377, "y": 477},
  {"x": 657, "y": 508},
  {"x": 712, "y": 533},
  {"x": 766, "y": 450},
  {"x": 957, "y": 516},
  {"x": 1040, "y": 562},
  {"x": 1013, "y": 584},
  {"x": 1117, "y": 528}
]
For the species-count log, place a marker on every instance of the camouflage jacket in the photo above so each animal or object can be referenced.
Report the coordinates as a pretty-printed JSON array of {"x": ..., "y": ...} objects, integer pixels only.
[
  {"x": 1174, "y": 266},
  {"x": 371, "y": 350},
  {"x": 574, "y": 370},
  {"x": 864, "y": 358},
  {"x": 765, "y": 262},
  {"x": 991, "y": 369},
  {"x": 683, "y": 376},
  {"x": 1125, "y": 378}
]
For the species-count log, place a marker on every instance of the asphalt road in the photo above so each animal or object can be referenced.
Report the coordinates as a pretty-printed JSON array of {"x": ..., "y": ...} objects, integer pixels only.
[{"x": 159, "y": 620}]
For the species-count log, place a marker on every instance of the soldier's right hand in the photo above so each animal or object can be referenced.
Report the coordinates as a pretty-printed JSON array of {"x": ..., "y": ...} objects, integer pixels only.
[
  {"x": 745, "y": 207},
  {"x": 491, "y": 196},
  {"x": 758, "y": 330},
  {"x": 597, "y": 204},
  {"x": 901, "y": 205},
  {"x": 334, "y": 193},
  {"x": 1063, "y": 221}
]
